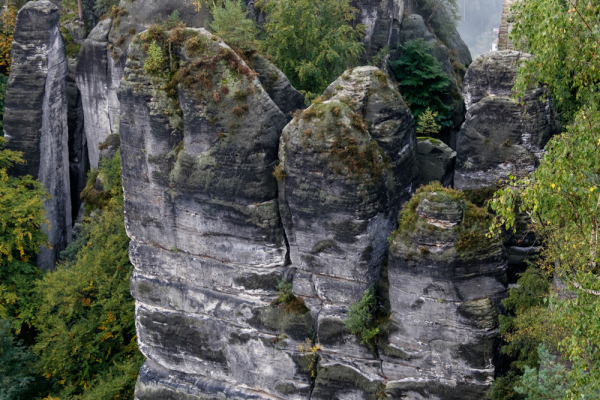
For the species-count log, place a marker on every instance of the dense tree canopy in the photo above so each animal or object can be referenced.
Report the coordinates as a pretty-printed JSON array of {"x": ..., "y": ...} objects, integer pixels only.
[
  {"x": 312, "y": 41},
  {"x": 562, "y": 199}
]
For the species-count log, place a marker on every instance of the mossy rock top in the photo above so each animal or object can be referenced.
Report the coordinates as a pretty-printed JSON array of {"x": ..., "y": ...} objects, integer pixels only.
[{"x": 440, "y": 224}]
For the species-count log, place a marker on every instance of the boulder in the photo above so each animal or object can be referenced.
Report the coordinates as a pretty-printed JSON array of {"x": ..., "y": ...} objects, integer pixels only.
[
  {"x": 207, "y": 242},
  {"x": 446, "y": 278},
  {"x": 436, "y": 161},
  {"x": 501, "y": 135},
  {"x": 35, "y": 117}
]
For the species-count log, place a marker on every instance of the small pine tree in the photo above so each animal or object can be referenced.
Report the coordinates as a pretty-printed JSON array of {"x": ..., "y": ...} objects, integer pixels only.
[
  {"x": 426, "y": 125},
  {"x": 231, "y": 23},
  {"x": 423, "y": 83}
]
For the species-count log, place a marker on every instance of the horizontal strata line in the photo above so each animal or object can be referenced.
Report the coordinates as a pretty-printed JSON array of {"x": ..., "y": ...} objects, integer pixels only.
[
  {"x": 187, "y": 253},
  {"x": 225, "y": 383},
  {"x": 226, "y": 321}
]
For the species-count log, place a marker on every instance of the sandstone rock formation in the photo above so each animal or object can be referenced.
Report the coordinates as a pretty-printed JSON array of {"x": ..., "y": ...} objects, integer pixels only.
[
  {"x": 445, "y": 279},
  {"x": 35, "y": 118},
  {"x": 380, "y": 19},
  {"x": 347, "y": 163},
  {"x": 501, "y": 135},
  {"x": 78, "y": 149},
  {"x": 436, "y": 161},
  {"x": 98, "y": 81},
  {"x": 506, "y": 23},
  {"x": 278, "y": 86},
  {"x": 207, "y": 242}
]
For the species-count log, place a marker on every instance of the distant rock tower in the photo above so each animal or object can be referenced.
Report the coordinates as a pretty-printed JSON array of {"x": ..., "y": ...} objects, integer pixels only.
[
  {"x": 35, "y": 120},
  {"x": 506, "y": 24}
]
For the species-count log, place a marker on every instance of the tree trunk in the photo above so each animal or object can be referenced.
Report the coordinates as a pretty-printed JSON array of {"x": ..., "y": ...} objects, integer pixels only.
[{"x": 79, "y": 10}]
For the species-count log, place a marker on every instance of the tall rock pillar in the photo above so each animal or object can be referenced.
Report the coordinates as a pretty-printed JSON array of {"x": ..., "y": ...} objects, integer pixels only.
[{"x": 35, "y": 119}]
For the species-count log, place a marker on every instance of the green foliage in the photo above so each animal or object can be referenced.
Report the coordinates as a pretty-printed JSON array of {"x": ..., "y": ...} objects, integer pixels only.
[
  {"x": 71, "y": 46},
  {"x": 565, "y": 48},
  {"x": 312, "y": 41},
  {"x": 287, "y": 300},
  {"x": 523, "y": 329},
  {"x": 21, "y": 217},
  {"x": 561, "y": 196},
  {"x": 426, "y": 126},
  {"x": 18, "y": 375},
  {"x": 380, "y": 58},
  {"x": 422, "y": 81},
  {"x": 361, "y": 318},
  {"x": 173, "y": 21},
  {"x": 231, "y": 23},
  {"x": 547, "y": 383},
  {"x": 155, "y": 62},
  {"x": 86, "y": 338}
]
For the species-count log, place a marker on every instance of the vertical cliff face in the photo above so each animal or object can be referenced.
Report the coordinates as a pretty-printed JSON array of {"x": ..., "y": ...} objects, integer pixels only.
[
  {"x": 347, "y": 164},
  {"x": 35, "y": 119},
  {"x": 97, "y": 83},
  {"x": 445, "y": 277},
  {"x": 501, "y": 135},
  {"x": 207, "y": 242},
  {"x": 380, "y": 19}
]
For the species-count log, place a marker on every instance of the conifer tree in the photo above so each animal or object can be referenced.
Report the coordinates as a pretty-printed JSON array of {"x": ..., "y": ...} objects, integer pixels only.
[
  {"x": 423, "y": 83},
  {"x": 426, "y": 126}
]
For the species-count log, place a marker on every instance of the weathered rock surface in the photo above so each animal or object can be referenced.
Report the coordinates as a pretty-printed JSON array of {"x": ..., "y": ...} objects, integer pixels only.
[
  {"x": 207, "y": 243},
  {"x": 501, "y": 135},
  {"x": 349, "y": 163},
  {"x": 436, "y": 161},
  {"x": 35, "y": 118},
  {"x": 380, "y": 19},
  {"x": 98, "y": 80},
  {"x": 445, "y": 280},
  {"x": 506, "y": 23},
  {"x": 78, "y": 151},
  {"x": 278, "y": 86}
]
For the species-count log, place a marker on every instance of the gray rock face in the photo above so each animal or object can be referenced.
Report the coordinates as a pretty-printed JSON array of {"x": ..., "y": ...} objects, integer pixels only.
[
  {"x": 500, "y": 136},
  {"x": 436, "y": 161},
  {"x": 207, "y": 243},
  {"x": 506, "y": 23},
  {"x": 278, "y": 86},
  {"x": 380, "y": 19},
  {"x": 35, "y": 119},
  {"x": 445, "y": 280},
  {"x": 348, "y": 162},
  {"x": 98, "y": 79}
]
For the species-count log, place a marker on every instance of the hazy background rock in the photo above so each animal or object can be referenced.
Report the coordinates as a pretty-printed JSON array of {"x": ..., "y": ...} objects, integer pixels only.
[{"x": 35, "y": 118}]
